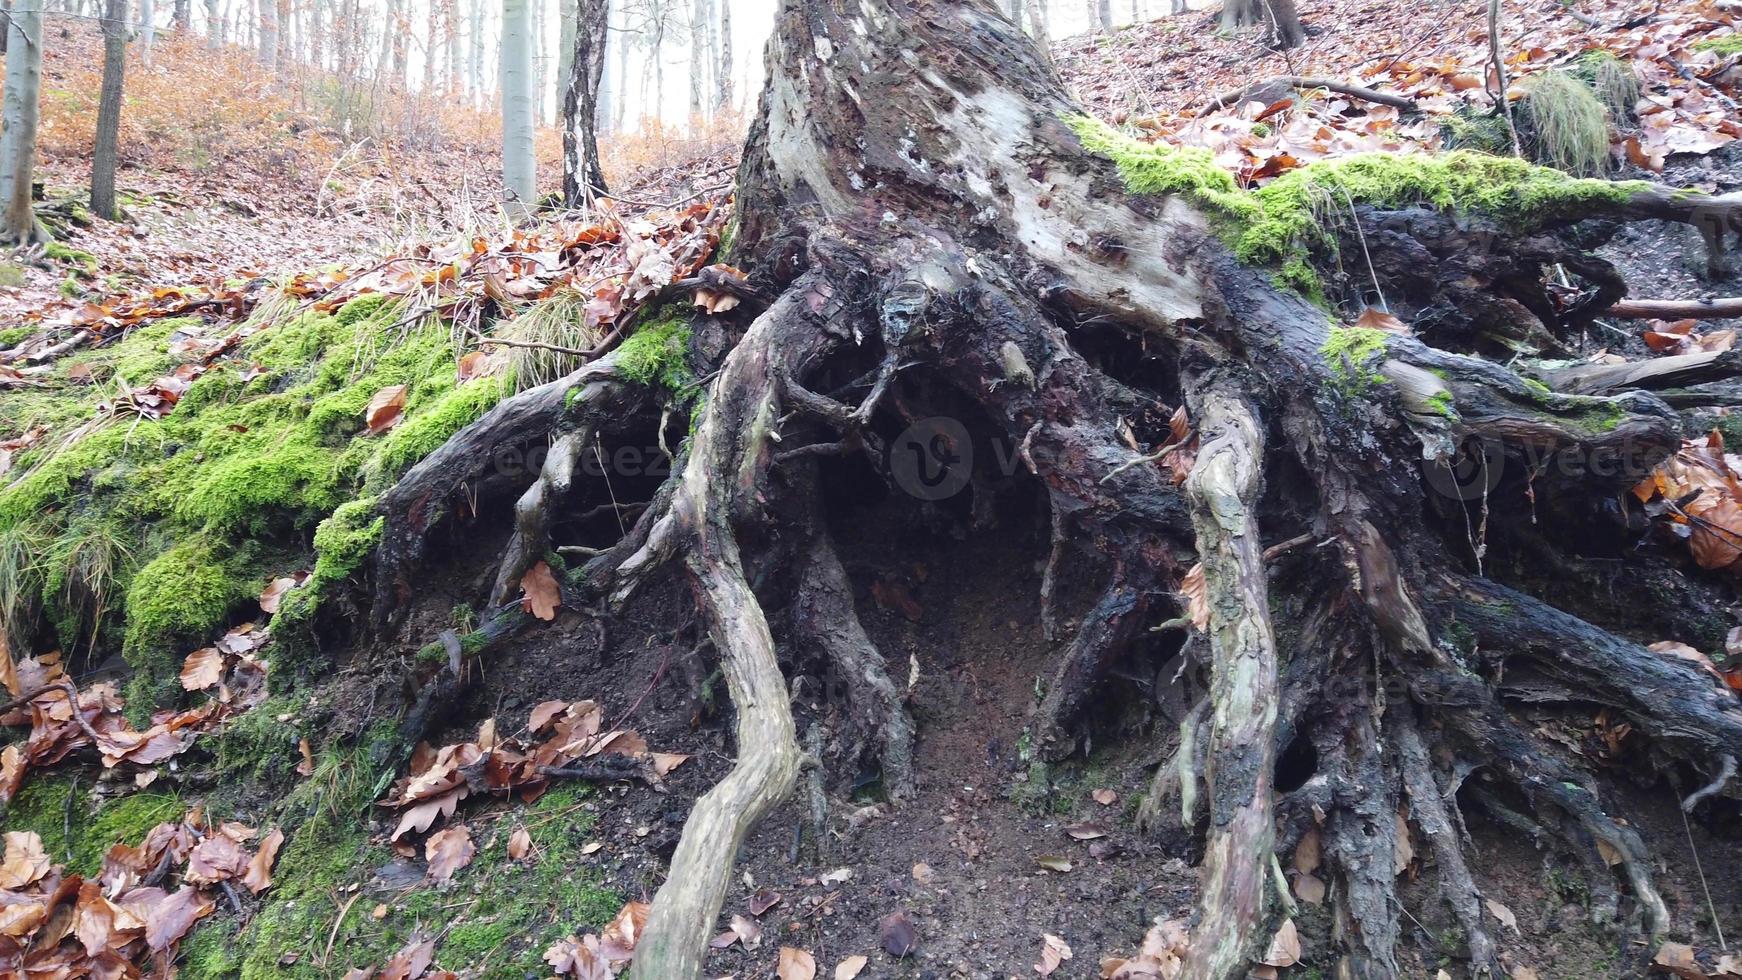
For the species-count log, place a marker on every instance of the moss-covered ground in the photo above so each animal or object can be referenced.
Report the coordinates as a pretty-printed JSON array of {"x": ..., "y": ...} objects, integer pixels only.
[{"x": 264, "y": 466}]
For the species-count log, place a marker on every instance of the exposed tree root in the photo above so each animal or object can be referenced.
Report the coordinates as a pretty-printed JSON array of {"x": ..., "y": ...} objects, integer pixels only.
[{"x": 1223, "y": 488}]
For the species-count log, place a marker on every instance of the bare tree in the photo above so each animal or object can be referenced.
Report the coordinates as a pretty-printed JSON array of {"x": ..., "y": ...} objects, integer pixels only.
[
  {"x": 183, "y": 17},
  {"x": 214, "y": 25},
  {"x": 268, "y": 51},
  {"x": 147, "y": 28},
  {"x": 583, "y": 175},
  {"x": 698, "y": 55},
  {"x": 19, "y": 112},
  {"x": 723, "y": 68},
  {"x": 105, "y": 150},
  {"x": 519, "y": 107},
  {"x": 1104, "y": 15},
  {"x": 568, "y": 11}
]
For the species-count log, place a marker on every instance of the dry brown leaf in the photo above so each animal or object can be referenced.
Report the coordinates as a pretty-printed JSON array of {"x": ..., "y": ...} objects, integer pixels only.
[
  {"x": 1503, "y": 914},
  {"x": 1054, "y": 862},
  {"x": 543, "y": 595},
  {"x": 897, "y": 934},
  {"x": 1309, "y": 889},
  {"x": 385, "y": 409},
  {"x": 1678, "y": 958},
  {"x": 1403, "y": 852},
  {"x": 851, "y": 967},
  {"x": 795, "y": 964},
  {"x": 1086, "y": 830},
  {"x": 171, "y": 918},
  {"x": 273, "y": 594},
  {"x": 1053, "y": 952},
  {"x": 519, "y": 844},
  {"x": 449, "y": 850},
  {"x": 1105, "y": 797},
  {"x": 26, "y": 860},
  {"x": 1284, "y": 946},
  {"x": 1197, "y": 596},
  {"x": 923, "y": 873},
  {"x": 258, "y": 877},
  {"x": 1306, "y": 853},
  {"x": 204, "y": 668},
  {"x": 307, "y": 766},
  {"x": 1374, "y": 318}
]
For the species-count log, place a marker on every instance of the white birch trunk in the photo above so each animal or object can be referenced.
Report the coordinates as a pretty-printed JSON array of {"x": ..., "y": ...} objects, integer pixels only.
[
  {"x": 519, "y": 107},
  {"x": 18, "y": 118}
]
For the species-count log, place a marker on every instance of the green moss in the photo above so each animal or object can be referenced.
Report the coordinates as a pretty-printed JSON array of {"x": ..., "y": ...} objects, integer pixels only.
[
  {"x": 1284, "y": 222},
  {"x": 1472, "y": 129},
  {"x": 1442, "y": 404},
  {"x": 1724, "y": 45},
  {"x": 12, "y": 277},
  {"x": 1350, "y": 352},
  {"x": 56, "y": 809},
  {"x": 210, "y": 953},
  {"x": 657, "y": 355},
  {"x": 229, "y": 488},
  {"x": 1613, "y": 80},
  {"x": 257, "y": 746},
  {"x": 70, "y": 288},
  {"x": 121, "y": 821},
  {"x": 82, "y": 262}
]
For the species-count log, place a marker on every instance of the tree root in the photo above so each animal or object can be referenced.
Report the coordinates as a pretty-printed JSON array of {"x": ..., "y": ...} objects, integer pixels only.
[
  {"x": 1430, "y": 810},
  {"x": 823, "y": 616},
  {"x": 1223, "y": 488}
]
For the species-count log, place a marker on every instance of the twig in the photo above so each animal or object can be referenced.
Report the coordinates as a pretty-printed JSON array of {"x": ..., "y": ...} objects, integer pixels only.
[
  {"x": 1306, "y": 84},
  {"x": 333, "y": 936},
  {"x": 1500, "y": 74}
]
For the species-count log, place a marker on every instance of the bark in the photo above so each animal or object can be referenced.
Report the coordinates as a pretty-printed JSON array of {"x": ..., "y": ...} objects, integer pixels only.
[
  {"x": 214, "y": 26},
  {"x": 1279, "y": 17},
  {"x": 475, "y": 50},
  {"x": 268, "y": 51},
  {"x": 18, "y": 121},
  {"x": 583, "y": 175},
  {"x": 147, "y": 28},
  {"x": 106, "y": 142},
  {"x": 568, "y": 13},
  {"x": 519, "y": 107},
  {"x": 183, "y": 17},
  {"x": 1104, "y": 15},
  {"x": 698, "y": 55}
]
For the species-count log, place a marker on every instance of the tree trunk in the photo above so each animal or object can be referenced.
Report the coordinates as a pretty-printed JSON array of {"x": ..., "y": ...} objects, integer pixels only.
[
  {"x": 567, "y": 13},
  {"x": 723, "y": 69},
  {"x": 1104, "y": 15},
  {"x": 268, "y": 33},
  {"x": 519, "y": 108},
  {"x": 1037, "y": 27},
  {"x": 604, "y": 116},
  {"x": 184, "y": 18},
  {"x": 622, "y": 89},
  {"x": 583, "y": 176},
  {"x": 1279, "y": 16},
  {"x": 698, "y": 55},
  {"x": 475, "y": 50},
  {"x": 106, "y": 143},
  {"x": 147, "y": 28},
  {"x": 18, "y": 118},
  {"x": 214, "y": 26}
]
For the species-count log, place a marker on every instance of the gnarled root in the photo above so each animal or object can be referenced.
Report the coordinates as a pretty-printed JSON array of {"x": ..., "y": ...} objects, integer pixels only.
[
  {"x": 1223, "y": 488},
  {"x": 823, "y": 615}
]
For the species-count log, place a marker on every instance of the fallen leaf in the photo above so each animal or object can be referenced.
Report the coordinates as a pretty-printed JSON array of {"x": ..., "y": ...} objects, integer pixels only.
[
  {"x": 1403, "y": 852},
  {"x": 1678, "y": 958},
  {"x": 543, "y": 595},
  {"x": 307, "y": 766},
  {"x": 795, "y": 964},
  {"x": 204, "y": 668},
  {"x": 258, "y": 877},
  {"x": 171, "y": 918},
  {"x": 1053, "y": 952},
  {"x": 449, "y": 850},
  {"x": 1309, "y": 889},
  {"x": 274, "y": 592},
  {"x": 411, "y": 962},
  {"x": 897, "y": 934},
  {"x": 1105, "y": 797},
  {"x": 385, "y": 409},
  {"x": 850, "y": 967},
  {"x": 1197, "y": 596},
  {"x": 1306, "y": 853},
  {"x": 836, "y": 876},
  {"x": 1504, "y": 914},
  {"x": 923, "y": 873},
  {"x": 26, "y": 859},
  {"x": 519, "y": 844},
  {"x": 1054, "y": 862},
  {"x": 1086, "y": 830},
  {"x": 1284, "y": 946}
]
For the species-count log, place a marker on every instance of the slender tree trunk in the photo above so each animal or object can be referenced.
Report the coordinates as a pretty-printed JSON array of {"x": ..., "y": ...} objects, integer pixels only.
[
  {"x": 540, "y": 77},
  {"x": 184, "y": 18},
  {"x": 475, "y": 53},
  {"x": 18, "y": 119},
  {"x": 317, "y": 34},
  {"x": 285, "y": 12},
  {"x": 105, "y": 149},
  {"x": 622, "y": 89},
  {"x": 609, "y": 79},
  {"x": 147, "y": 28},
  {"x": 1280, "y": 16},
  {"x": 567, "y": 14},
  {"x": 519, "y": 108},
  {"x": 1104, "y": 15},
  {"x": 583, "y": 176},
  {"x": 724, "y": 67},
  {"x": 698, "y": 55},
  {"x": 456, "y": 65},
  {"x": 429, "y": 46},
  {"x": 268, "y": 33},
  {"x": 398, "y": 28},
  {"x": 1013, "y": 10},
  {"x": 1037, "y": 26}
]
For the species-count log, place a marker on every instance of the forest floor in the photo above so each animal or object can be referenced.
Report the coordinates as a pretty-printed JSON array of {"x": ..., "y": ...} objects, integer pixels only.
[{"x": 996, "y": 852}]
